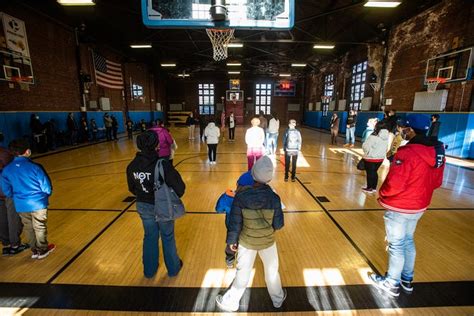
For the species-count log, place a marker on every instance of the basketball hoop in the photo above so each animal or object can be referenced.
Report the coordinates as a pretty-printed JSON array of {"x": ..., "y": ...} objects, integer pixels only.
[
  {"x": 375, "y": 86},
  {"x": 220, "y": 38},
  {"x": 432, "y": 83},
  {"x": 23, "y": 82}
]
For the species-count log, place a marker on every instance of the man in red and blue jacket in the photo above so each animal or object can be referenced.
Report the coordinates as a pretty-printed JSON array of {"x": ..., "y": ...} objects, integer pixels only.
[{"x": 415, "y": 172}]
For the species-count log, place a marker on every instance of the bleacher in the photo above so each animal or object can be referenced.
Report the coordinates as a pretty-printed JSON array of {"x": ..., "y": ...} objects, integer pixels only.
[{"x": 178, "y": 118}]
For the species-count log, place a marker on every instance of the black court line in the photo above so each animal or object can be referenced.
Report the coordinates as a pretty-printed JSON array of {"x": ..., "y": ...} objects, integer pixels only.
[
  {"x": 255, "y": 300},
  {"x": 88, "y": 245},
  {"x": 215, "y": 213},
  {"x": 84, "y": 210}
]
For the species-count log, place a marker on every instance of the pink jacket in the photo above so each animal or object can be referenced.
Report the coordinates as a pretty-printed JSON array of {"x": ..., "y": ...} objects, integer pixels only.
[{"x": 165, "y": 141}]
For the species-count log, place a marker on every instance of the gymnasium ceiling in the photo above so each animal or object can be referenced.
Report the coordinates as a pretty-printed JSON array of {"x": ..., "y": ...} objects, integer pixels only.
[{"x": 347, "y": 23}]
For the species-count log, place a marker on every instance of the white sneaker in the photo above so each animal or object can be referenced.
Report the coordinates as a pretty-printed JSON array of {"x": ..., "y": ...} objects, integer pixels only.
[
  {"x": 283, "y": 300},
  {"x": 221, "y": 305}
]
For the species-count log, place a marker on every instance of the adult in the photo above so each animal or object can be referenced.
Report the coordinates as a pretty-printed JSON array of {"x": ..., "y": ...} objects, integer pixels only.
[
  {"x": 369, "y": 129},
  {"x": 129, "y": 125},
  {"x": 211, "y": 135},
  {"x": 108, "y": 126},
  {"x": 202, "y": 126},
  {"x": 334, "y": 128},
  {"x": 434, "y": 127},
  {"x": 30, "y": 187},
  {"x": 292, "y": 146},
  {"x": 375, "y": 150},
  {"x": 272, "y": 134},
  {"x": 190, "y": 123},
  {"x": 38, "y": 134},
  {"x": 50, "y": 130},
  {"x": 140, "y": 179},
  {"x": 222, "y": 123},
  {"x": 264, "y": 125},
  {"x": 350, "y": 129},
  {"x": 231, "y": 125},
  {"x": 416, "y": 171},
  {"x": 254, "y": 217},
  {"x": 254, "y": 138},
  {"x": 71, "y": 128},
  {"x": 10, "y": 222},
  {"x": 84, "y": 130},
  {"x": 164, "y": 138},
  {"x": 114, "y": 127},
  {"x": 94, "y": 129}
]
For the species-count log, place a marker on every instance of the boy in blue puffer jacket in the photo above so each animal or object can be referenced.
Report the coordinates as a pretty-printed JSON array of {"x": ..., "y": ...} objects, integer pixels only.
[{"x": 30, "y": 187}]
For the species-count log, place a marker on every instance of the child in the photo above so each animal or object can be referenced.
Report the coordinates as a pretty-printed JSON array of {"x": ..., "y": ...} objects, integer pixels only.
[
  {"x": 173, "y": 148},
  {"x": 30, "y": 187},
  {"x": 94, "y": 129},
  {"x": 292, "y": 146},
  {"x": 130, "y": 129}
]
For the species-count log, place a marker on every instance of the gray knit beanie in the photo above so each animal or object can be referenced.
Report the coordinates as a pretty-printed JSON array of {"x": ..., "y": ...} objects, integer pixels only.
[{"x": 262, "y": 170}]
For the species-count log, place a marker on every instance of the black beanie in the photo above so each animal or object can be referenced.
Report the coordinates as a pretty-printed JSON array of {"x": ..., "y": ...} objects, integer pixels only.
[{"x": 147, "y": 141}]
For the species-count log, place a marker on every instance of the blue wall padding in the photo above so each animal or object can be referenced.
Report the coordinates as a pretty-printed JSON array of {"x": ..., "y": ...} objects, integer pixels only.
[{"x": 457, "y": 129}]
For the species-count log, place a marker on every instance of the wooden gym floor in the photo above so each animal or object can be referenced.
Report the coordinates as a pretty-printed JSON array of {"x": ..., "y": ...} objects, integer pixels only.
[{"x": 333, "y": 235}]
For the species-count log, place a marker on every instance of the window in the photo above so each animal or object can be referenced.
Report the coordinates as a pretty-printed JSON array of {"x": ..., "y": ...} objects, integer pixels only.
[
  {"x": 263, "y": 98},
  {"x": 206, "y": 98},
  {"x": 359, "y": 72},
  {"x": 328, "y": 93},
  {"x": 137, "y": 91}
]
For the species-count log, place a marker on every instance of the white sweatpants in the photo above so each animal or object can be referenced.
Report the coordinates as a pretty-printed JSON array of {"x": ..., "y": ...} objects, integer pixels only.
[
  {"x": 245, "y": 261},
  {"x": 191, "y": 131}
]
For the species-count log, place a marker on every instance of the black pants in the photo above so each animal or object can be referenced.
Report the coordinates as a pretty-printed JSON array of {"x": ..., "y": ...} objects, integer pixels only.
[
  {"x": 114, "y": 130},
  {"x": 212, "y": 151},
  {"x": 231, "y": 132},
  {"x": 293, "y": 159},
  {"x": 10, "y": 224},
  {"x": 108, "y": 133},
  {"x": 130, "y": 134},
  {"x": 372, "y": 176}
]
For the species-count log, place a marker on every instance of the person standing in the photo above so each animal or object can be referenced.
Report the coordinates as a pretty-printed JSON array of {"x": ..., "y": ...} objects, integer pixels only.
[
  {"x": 108, "y": 126},
  {"x": 292, "y": 146},
  {"x": 375, "y": 150},
  {"x": 254, "y": 217},
  {"x": 140, "y": 179},
  {"x": 369, "y": 129},
  {"x": 434, "y": 127},
  {"x": 272, "y": 134},
  {"x": 350, "y": 129},
  {"x": 334, "y": 128},
  {"x": 190, "y": 124},
  {"x": 129, "y": 129},
  {"x": 254, "y": 138},
  {"x": 30, "y": 187},
  {"x": 94, "y": 129},
  {"x": 72, "y": 129},
  {"x": 231, "y": 124},
  {"x": 211, "y": 135},
  {"x": 223, "y": 124},
  {"x": 165, "y": 140},
  {"x": 415, "y": 172},
  {"x": 84, "y": 130},
  {"x": 114, "y": 127},
  {"x": 10, "y": 222},
  {"x": 264, "y": 125}
]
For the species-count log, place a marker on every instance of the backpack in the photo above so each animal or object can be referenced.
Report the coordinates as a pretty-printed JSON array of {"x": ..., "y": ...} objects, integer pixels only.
[
  {"x": 224, "y": 203},
  {"x": 168, "y": 206}
]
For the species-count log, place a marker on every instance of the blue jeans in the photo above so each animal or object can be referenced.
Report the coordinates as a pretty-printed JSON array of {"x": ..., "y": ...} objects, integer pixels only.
[
  {"x": 272, "y": 143},
  {"x": 153, "y": 230},
  {"x": 400, "y": 229},
  {"x": 350, "y": 135}
]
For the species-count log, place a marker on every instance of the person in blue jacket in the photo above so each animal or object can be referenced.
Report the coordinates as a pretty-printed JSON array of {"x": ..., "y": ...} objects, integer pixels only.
[{"x": 30, "y": 187}]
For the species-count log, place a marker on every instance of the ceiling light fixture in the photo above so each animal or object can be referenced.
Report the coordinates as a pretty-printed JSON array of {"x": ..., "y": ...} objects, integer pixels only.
[
  {"x": 76, "y": 2},
  {"x": 183, "y": 75},
  {"x": 298, "y": 65},
  {"x": 141, "y": 46},
  {"x": 285, "y": 75},
  {"x": 233, "y": 72},
  {"x": 324, "y": 46},
  {"x": 168, "y": 65},
  {"x": 234, "y": 64},
  {"x": 235, "y": 45},
  {"x": 382, "y": 4}
]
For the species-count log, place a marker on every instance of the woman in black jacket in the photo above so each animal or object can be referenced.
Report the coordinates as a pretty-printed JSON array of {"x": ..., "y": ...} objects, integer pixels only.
[{"x": 140, "y": 178}]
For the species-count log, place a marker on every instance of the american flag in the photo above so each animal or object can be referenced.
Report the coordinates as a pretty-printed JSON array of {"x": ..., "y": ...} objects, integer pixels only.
[{"x": 107, "y": 73}]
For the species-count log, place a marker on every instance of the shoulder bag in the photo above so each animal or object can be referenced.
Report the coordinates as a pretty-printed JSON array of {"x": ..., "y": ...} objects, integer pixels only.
[{"x": 168, "y": 206}]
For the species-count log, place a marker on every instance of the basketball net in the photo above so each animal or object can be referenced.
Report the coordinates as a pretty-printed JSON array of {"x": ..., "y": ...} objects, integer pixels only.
[
  {"x": 433, "y": 83},
  {"x": 220, "y": 38}
]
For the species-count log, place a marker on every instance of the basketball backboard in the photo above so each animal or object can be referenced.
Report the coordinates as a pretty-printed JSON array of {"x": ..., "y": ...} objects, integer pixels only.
[
  {"x": 234, "y": 95},
  {"x": 242, "y": 14},
  {"x": 453, "y": 66},
  {"x": 15, "y": 67}
]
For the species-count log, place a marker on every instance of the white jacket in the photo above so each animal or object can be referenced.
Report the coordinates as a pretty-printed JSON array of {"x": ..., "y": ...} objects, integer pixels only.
[
  {"x": 273, "y": 126},
  {"x": 375, "y": 147},
  {"x": 255, "y": 137},
  {"x": 212, "y": 134}
]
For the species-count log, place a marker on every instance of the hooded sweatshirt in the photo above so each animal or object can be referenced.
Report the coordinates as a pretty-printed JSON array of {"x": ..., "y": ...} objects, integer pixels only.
[
  {"x": 165, "y": 140},
  {"x": 375, "y": 147},
  {"x": 212, "y": 133},
  {"x": 415, "y": 172}
]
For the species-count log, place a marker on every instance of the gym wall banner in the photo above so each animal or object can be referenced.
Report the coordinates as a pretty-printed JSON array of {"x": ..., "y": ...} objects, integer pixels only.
[{"x": 15, "y": 34}]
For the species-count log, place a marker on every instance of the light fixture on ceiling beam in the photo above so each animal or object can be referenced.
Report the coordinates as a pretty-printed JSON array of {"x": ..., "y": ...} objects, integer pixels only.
[
  {"x": 382, "y": 4},
  {"x": 324, "y": 46},
  {"x": 298, "y": 65},
  {"x": 76, "y": 2},
  {"x": 285, "y": 75},
  {"x": 235, "y": 45},
  {"x": 183, "y": 75},
  {"x": 234, "y": 64},
  {"x": 168, "y": 65},
  {"x": 233, "y": 72},
  {"x": 140, "y": 46}
]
